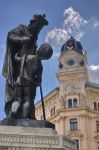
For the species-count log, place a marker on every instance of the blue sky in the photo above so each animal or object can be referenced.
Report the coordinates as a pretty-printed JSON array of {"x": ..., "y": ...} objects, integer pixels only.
[{"x": 85, "y": 25}]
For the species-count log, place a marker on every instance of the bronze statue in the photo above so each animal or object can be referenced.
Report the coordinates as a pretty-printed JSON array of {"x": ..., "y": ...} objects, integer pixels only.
[{"x": 23, "y": 68}]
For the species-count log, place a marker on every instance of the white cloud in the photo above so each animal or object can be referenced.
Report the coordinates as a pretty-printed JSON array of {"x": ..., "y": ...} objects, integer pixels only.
[
  {"x": 71, "y": 26},
  {"x": 73, "y": 21},
  {"x": 96, "y": 23},
  {"x": 56, "y": 36},
  {"x": 94, "y": 73},
  {"x": 94, "y": 67}
]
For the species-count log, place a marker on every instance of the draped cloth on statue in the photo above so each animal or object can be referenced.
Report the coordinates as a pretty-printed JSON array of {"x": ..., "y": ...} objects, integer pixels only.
[{"x": 11, "y": 67}]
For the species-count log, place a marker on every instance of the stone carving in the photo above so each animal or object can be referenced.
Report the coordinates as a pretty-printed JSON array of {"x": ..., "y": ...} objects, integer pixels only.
[
  {"x": 72, "y": 87},
  {"x": 23, "y": 68},
  {"x": 33, "y": 138},
  {"x": 36, "y": 141},
  {"x": 23, "y": 139},
  {"x": 62, "y": 102}
]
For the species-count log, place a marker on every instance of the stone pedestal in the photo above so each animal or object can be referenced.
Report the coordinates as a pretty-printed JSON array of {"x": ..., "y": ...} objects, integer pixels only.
[{"x": 29, "y": 138}]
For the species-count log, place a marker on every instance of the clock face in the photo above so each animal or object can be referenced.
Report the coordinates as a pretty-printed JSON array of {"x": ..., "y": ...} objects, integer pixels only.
[{"x": 70, "y": 62}]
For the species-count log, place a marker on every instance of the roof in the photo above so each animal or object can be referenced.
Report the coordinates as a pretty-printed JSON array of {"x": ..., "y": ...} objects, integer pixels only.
[
  {"x": 55, "y": 89},
  {"x": 92, "y": 85},
  {"x": 72, "y": 42}
]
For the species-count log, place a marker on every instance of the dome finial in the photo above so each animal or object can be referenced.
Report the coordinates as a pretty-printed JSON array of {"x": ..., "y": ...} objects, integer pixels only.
[{"x": 72, "y": 38}]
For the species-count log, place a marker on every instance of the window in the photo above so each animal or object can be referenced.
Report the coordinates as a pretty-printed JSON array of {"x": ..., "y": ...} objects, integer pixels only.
[
  {"x": 97, "y": 126},
  {"x": 70, "y": 103},
  {"x": 95, "y": 106},
  {"x": 73, "y": 124},
  {"x": 52, "y": 111},
  {"x": 77, "y": 141},
  {"x": 75, "y": 102}
]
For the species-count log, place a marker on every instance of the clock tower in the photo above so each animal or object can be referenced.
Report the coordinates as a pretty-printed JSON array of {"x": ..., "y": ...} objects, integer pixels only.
[
  {"x": 73, "y": 106},
  {"x": 73, "y": 73}
]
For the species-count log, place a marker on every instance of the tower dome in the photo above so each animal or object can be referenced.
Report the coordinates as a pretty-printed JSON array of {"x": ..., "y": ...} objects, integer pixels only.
[{"x": 72, "y": 44}]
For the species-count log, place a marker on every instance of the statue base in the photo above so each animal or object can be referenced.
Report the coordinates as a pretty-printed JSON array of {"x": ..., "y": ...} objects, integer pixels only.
[
  {"x": 30, "y": 138},
  {"x": 27, "y": 123}
]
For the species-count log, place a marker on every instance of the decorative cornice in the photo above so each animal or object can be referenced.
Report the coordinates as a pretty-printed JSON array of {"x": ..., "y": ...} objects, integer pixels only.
[{"x": 74, "y": 70}]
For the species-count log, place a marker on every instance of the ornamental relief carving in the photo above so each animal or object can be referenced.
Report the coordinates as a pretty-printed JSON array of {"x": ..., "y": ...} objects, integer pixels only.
[
  {"x": 72, "y": 87},
  {"x": 75, "y": 134},
  {"x": 29, "y": 139}
]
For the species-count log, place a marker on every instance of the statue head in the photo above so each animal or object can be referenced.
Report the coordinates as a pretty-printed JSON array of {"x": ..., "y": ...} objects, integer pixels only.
[
  {"x": 40, "y": 19},
  {"x": 37, "y": 23},
  {"x": 45, "y": 51}
]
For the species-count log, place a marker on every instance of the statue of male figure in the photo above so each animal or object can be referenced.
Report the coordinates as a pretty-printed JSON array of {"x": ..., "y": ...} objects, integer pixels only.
[
  {"x": 29, "y": 79},
  {"x": 22, "y": 68}
]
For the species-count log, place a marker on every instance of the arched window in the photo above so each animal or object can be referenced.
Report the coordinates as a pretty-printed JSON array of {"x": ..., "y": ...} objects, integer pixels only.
[
  {"x": 75, "y": 102},
  {"x": 95, "y": 106},
  {"x": 70, "y": 103},
  {"x": 53, "y": 111}
]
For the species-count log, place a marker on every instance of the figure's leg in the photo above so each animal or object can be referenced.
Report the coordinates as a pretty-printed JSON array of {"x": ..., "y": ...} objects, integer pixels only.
[
  {"x": 17, "y": 103},
  {"x": 28, "y": 106},
  {"x": 31, "y": 114}
]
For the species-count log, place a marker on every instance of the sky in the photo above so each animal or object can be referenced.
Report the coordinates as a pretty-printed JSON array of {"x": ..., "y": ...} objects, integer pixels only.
[{"x": 78, "y": 18}]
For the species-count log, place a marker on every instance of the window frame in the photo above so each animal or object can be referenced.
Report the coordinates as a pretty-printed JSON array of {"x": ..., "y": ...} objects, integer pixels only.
[
  {"x": 95, "y": 106},
  {"x": 73, "y": 124},
  {"x": 97, "y": 126},
  {"x": 75, "y": 106},
  {"x": 70, "y": 105}
]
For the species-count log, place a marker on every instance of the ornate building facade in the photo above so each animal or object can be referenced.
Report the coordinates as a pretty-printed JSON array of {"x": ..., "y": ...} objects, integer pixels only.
[{"x": 74, "y": 106}]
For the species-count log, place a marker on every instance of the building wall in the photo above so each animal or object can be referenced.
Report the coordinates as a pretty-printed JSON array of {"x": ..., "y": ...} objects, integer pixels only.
[
  {"x": 78, "y": 121},
  {"x": 86, "y": 119}
]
